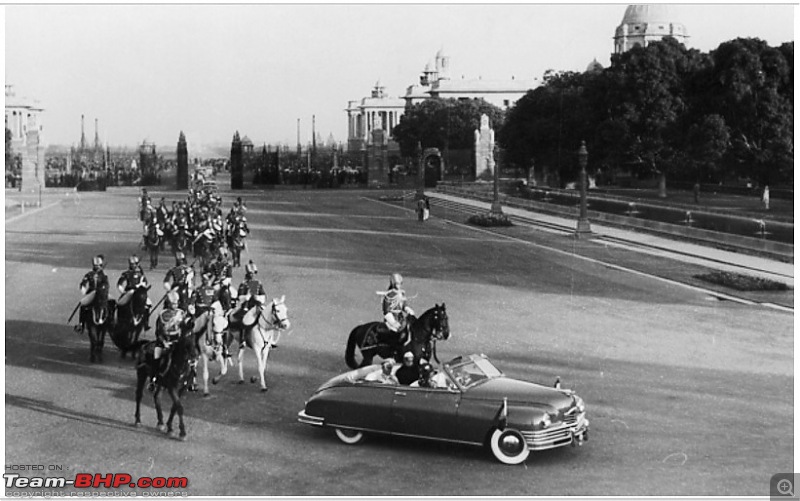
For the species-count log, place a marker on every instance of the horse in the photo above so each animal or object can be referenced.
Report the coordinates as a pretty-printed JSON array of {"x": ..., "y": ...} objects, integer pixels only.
[
  {"x": 98, "y": 319},
  {"x": 206, "y": 326},
  {"x": 180, "y": 240},
  {"x": 206, "y": 248},
  {"x": 260, "y": 335},
  {"x": 236, "y": 244},
  {"x": 424, "y": 332},
  {"x": 184, "y": 354},
  {"x": 131, "y": 312},
  {"x": 152, "y": 242}
]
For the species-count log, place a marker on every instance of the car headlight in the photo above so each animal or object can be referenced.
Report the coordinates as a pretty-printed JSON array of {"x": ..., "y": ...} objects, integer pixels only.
[
  {"x": 546, "y": 421},
  {"x": 579, "y": 404}
]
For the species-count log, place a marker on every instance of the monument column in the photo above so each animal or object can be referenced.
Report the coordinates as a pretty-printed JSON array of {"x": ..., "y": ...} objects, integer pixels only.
[
  {"x": 32, "y": 161},
  {"x": 182, "y": 180},
  {"x": 237, "y": 174}
]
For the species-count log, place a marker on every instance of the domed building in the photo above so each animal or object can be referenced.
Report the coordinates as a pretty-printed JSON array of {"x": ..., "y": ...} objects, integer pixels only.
[{"x": 643, "y": 24}]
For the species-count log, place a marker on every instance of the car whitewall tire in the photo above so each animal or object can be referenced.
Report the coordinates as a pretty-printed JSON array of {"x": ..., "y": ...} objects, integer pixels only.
[
  {"x": 509, "y": 446},
  {"x": 350, "y": 437}
]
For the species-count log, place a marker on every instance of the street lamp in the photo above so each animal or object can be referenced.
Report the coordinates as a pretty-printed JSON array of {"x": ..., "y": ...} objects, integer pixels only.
[
  {"x": 583, "y": 227},
  {"x": 496, "y": 209}
]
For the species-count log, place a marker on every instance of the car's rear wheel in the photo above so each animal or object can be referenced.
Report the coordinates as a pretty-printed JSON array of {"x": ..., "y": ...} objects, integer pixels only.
[
  {"x": 509, "y": 446},
  {"x": 350, "y": 437}
]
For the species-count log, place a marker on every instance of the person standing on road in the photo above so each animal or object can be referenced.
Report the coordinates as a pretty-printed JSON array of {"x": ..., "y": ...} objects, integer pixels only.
[{"x": 765, "y": 197}]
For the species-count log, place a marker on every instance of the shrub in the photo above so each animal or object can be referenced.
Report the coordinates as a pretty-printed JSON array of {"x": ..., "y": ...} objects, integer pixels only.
[
  {"x": 742, "y": 282},
  {"x": 490, "y": 219}
]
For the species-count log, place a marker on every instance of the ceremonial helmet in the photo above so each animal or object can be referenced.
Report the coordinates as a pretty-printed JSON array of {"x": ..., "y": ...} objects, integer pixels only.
[
  {"x": 395, "y": 281},
  {"x": 223, "y": 253},
  {"x": 98, "y": 261},
  {"x": 172, "y": 300},
  {"x": 208, "y": 276},
  {"x": 180, "y": 258},
  {"x": 250, "y": 269},
  {"x": 133, "y": 261}
]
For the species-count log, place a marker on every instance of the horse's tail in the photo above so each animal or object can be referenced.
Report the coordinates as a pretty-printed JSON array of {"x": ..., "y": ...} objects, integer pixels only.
[{"x": 350, "y": 351}]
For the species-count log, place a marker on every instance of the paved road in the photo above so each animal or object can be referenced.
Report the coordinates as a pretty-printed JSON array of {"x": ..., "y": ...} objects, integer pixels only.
[{"x": 686, "y": 395}]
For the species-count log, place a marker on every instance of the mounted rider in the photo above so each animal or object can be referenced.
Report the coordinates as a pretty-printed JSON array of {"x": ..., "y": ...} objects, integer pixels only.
[
  {"x": 221, "y": 269},
  {"x": 129, "y": 281},
  {"x": 251, "y": 296},
  {"x": 171, "y": 324},
  {"x": 205, "y": 301},
  {"x": 88, "y": 286},
  {"x": 395, "y": 310},
  {"x": 144, "y": 201},
  {"x": 180, "y": 279},
  {"x": 152, "y": 225}
]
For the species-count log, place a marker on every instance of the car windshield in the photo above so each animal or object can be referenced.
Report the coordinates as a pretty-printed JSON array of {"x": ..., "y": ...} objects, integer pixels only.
[{"x": 472, "y": 371}]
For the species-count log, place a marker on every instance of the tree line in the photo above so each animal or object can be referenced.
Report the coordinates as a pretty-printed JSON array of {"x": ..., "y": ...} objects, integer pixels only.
[{"x": 661, "y": 110}]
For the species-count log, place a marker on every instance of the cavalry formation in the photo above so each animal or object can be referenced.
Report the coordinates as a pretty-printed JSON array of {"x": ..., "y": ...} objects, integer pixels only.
[{"x": 201, "y": 322}]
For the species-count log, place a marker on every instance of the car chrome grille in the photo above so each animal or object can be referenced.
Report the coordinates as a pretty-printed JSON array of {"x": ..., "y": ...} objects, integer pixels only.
[{"x": 557, "y": 435}]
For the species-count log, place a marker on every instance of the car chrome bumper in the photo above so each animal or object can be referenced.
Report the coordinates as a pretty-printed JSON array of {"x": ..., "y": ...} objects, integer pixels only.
[
  {"x": 312, "y": 420},
  {"x": 560, "y": 435}
]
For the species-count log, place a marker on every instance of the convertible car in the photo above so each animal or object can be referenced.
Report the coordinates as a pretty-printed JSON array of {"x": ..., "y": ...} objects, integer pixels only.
[{"x": 475, "y": 404}]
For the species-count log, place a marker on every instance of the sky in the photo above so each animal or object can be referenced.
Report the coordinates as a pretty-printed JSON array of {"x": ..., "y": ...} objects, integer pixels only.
[{"x": 147, "y": 72}]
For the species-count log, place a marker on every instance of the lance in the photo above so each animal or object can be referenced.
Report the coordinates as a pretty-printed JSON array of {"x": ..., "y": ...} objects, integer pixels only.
[{"x": 74, "y": 311}]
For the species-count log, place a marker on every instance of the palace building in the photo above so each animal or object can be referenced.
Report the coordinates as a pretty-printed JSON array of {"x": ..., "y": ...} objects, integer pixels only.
[{"x": 644, "y": 24}]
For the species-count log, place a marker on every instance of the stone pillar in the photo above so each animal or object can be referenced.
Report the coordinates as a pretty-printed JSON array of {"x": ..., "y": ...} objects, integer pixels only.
[
  {"x": 32, "y": 161},
  {"x": 182, "y": 177},
  {"x": 377, "y": 158},
  {"x": 484, "y": 150},
  {"x": 237, "y": 166}
]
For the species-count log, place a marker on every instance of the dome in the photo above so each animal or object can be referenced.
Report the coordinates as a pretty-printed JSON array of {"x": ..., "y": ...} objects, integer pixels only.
[
  {"x": 246, "y": 141},
  {"x": 651, "y": 13},
  {"x": 594, "y": 67}
]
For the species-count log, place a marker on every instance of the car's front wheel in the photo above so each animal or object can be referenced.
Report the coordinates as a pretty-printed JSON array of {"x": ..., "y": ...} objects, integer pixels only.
[
  {"x": 350, "y": 437},
  {"x": 509, "y": 446}
]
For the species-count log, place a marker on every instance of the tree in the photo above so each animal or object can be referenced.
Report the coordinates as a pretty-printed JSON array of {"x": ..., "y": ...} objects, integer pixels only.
[
  {"x": 443, "y": 123},
  {"x": 9, "y": 154},
  {"x": 652, "y": 100},
  {"x": 546, "y": 125},
  {"x": 752, "y": 90}
]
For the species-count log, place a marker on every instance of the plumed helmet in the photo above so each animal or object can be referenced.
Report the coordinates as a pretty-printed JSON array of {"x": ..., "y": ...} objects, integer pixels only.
[
  {"x": 172, "y": 299},
  {"x": 180, "y": 258},
  {"x": 99, "y": 260},
  {"x": 133, "y": 260},
  {"x": 223, "y": 252},
  {"x": 251, "y": 268},
  {"x": 395, "y": 280},
  {"x": 207, "y": 276}
]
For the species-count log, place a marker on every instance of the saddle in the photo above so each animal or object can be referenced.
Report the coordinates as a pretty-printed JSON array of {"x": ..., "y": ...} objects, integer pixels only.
[{"x": 380, "y": 334}]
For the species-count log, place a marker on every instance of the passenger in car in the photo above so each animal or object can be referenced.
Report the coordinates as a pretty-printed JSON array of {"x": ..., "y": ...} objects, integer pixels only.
[
  {"x": 409, "y": 372},
  {"x": 386, "y": 376},
  {"x": 429, "y": 378}
]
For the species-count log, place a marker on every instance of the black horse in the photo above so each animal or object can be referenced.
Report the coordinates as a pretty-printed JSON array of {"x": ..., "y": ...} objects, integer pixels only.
[
  {"x": 180, "y": 240},
  {"x": 98, "y": 319},
  {"x": 152, "y": 241},
  {"x": 182, "y": 365},
  {"x": 425, "y": 330},
  {"x": 130, "y": 321}
]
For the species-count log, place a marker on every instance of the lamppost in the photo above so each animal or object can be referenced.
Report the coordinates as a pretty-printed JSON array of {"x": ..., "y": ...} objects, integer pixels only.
[{"x": 583, "y": 227}]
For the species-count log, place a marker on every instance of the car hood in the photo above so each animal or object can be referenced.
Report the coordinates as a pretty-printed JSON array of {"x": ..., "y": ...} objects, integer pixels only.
[{"x": 522, "y": 391}]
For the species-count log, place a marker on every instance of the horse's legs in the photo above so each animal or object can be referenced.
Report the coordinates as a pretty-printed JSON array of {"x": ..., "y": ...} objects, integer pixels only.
[
  {"x": 141, "y": 376},
  {"x": 240, "y": 357},
  {"x": 159, "y": 412},
  {"x": 263, "y": 354},
  {"x": 204, "y": 355}
]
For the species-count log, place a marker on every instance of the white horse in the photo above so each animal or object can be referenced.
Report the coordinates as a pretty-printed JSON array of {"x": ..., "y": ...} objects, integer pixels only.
[
  {"x": 262, "y": 335},
  {"x": 207, "y": 326}
]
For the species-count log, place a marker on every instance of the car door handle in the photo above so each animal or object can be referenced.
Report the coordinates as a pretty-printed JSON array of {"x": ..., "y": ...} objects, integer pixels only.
[{"x": 400, "y": 393}]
